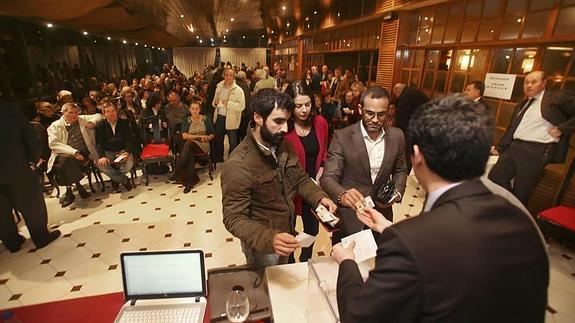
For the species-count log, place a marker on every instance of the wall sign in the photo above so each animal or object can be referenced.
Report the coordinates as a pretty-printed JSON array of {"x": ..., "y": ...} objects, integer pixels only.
[{"x": 499, "y": 86}]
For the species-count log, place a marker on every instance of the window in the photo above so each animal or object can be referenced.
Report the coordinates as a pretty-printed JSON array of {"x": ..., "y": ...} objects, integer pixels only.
[
  {"x": 523, "y": 60},
  {"x": 535, "y": 24},
  {"x": 511, "y": 27},
  {"x": 469, "y": 31},
  {"x": 565, "y": 22},
  {"x": 556, "y": 60},
  {"x": 501, "y": 59}
]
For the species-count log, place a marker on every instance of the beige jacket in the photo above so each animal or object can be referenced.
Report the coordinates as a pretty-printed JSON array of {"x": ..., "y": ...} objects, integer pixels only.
[
  {"x": 236, "y": 104},
  {"x": 58, "y": 137}
]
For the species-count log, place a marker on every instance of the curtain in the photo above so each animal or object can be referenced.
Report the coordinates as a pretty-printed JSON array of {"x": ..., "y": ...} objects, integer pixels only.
[
  {"x": 249, "y": 56},
  {"x": 190, "y": 59}
]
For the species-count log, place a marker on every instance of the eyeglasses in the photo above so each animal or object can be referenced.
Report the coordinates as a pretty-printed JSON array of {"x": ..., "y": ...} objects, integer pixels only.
[{"x": 371, "y": 114}]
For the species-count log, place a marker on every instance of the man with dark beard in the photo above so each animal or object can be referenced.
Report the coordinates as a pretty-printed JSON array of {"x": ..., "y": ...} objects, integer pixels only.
[{"x": 260, "y": 180}]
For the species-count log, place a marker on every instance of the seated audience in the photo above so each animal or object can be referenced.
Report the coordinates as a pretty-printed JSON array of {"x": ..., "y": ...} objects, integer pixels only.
[
  {"x": 197, "y": 132},
  {"x": 154, "y": 122},
  {"x": 176, "y": 112},
  {"x": 470, "y": 256},
  {"x": 73, "y": 148},
  {"x": 115, "y": 146},
  {"x": 89, "y": 106},
  {"x": 46, "y": 114}
]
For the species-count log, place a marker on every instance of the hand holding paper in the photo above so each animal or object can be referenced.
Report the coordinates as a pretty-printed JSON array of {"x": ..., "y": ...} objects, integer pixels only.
[
  {"x": 304, "y": 239},
  {"x": 365, "y": 246},
  {"x": 373, "y": 219}
]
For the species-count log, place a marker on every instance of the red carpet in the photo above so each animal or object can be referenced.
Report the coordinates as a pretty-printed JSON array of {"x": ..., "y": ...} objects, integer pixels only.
[{"x": 92, "y": 309}]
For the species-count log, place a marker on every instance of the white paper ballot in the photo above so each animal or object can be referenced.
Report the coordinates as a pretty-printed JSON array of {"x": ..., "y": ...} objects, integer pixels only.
[
  {"x": 304, "y": 239},
  {"x": 365, "y": 246},
  {"x": 369, "y": 202}
]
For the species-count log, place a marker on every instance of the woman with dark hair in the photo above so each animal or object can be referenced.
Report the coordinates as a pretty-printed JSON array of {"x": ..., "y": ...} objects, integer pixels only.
[{"x": 308, "y": 133}]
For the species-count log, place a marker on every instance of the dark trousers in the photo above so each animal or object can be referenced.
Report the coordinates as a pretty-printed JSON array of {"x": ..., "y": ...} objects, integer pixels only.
[
  {"x": 186, "y": 164},
  {"x": 25, "y": 196},
  {"x": 221, "y": 132},
  {"x": 311, "y": 227},
  {"x": 68, "y": 169},
  {"x": 523, "y": 162}
]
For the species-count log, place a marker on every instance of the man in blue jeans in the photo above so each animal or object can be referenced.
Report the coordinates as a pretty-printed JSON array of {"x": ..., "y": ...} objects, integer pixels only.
[{"x": 114, "y": 144}]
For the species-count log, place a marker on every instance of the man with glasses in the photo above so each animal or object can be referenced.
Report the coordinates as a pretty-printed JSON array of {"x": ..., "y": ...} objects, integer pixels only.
[{"x": 362, "y": 155}]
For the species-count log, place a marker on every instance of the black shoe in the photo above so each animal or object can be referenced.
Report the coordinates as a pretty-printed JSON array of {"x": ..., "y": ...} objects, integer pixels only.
[
  {"x": 115, "y": 186},
  {"x": 16, "y": 248},
  {"x": 84, "y": 194},
  {"x": 128, "y": 185},
  {"x": 51, "y": 237},
  {"x": 67, "y": 199},
  {"x": 187, "y": 189}
]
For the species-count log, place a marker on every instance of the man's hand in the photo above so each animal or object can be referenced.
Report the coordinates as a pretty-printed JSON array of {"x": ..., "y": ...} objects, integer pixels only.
[
  {"x": 329, "y": 205},
  {"x": 103, "y": 162},
  {"x": 555, "y": 132},
  {"x": 373, "y": 219},
  {"x": 339, "y": 253},
  {"x": 284, "y": 244},
  {"x": 79, "y": 156},
  {"x": 351, "y": 197}
]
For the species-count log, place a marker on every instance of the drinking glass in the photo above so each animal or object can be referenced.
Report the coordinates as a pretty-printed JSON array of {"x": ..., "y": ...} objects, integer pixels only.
[{"x": 237, "y": 306}]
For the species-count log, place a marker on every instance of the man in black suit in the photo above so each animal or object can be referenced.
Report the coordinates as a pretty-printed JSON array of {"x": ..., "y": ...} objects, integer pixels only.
[
  {"x": 470, "y": 256},
  {"x": 474, "y": 90},
  {"x": 361, "y": 157},
  {"x": 115, "y": 146},
  {"x": 409, "y": 99},
  {"x": 538, "y": 134},
  {"x": 19, "y": 186}
]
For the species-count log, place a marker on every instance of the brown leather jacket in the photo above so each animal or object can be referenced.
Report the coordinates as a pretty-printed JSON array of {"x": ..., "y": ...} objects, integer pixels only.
[{"x": 258, "y": 193}]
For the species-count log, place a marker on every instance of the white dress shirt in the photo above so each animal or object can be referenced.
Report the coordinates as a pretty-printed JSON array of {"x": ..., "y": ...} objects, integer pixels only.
[
  {"x": 375, "y": 151},
  {"x": 533, "y": 127}
]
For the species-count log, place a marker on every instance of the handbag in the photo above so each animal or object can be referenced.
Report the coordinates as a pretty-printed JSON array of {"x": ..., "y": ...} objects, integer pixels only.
[{"x": 386, "y": 193}]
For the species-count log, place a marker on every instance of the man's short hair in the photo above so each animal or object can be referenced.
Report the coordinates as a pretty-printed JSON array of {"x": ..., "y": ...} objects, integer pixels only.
[
  {"x": 374, "y": 92},
  {"x": 266, "y": 100},
  {"x": 479, "y": 86},
  {"x": 454, "y": 134},
  {"x": 109, "y": 103},
  {"x": 70, "y": 105}
]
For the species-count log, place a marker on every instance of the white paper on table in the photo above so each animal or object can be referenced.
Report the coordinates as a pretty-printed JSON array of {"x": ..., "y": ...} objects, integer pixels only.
[
  {"x": 365, "y": 246},
  {"x": 304, "y": 239}
]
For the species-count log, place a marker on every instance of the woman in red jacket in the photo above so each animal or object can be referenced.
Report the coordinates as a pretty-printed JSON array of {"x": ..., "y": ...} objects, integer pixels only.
[{"x": 308, "y": 133}]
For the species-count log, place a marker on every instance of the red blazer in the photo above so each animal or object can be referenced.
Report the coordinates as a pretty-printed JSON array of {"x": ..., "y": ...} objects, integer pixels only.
[{"x": 321, "y": 131}]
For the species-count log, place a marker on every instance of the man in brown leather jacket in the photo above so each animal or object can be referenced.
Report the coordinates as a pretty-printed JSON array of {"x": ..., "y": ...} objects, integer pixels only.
[{"x": 260, "y": 180}]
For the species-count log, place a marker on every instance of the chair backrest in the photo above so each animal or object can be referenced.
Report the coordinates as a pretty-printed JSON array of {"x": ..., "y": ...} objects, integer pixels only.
[
  {"x": 565, "y": 185},
  {"x": 158, "y": 135}
]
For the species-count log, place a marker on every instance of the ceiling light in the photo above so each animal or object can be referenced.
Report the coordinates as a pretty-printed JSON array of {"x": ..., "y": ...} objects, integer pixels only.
[
  {"x": 49, "y": 25},
  {"x": 85, "y": 33},
  {"x": 272, "y": 31},
  {"x": 211, "y": 39},
  {"x": 181, "y": 16},
  {"x": 94, "y": 41},
  {"x": 201, "y": 41},
  {"x": 519, "y": 19},
  {"x": 244, "y": 37},
  {"x": 315, "y": 12},
  {"x": 232, "y": 19},
  {"x": 197, "y": 36},
  {"x": 225, "y": 41},
  {"x": 287, "y": 25},
  {"x": 136, "y": 44},
  {"x": 284, "y": 8},
  {"x": 306, "y": 18},
  {"x": 124, "y": 41},
  {"x": 145, "y": 45},
  {"x": 109, "y": 38},
  {"x": 263, "y": 36},
  {"x": 227, "y": 30},
  {"x": 224, "y": 36},
  {"x": 152, "y": 47}
]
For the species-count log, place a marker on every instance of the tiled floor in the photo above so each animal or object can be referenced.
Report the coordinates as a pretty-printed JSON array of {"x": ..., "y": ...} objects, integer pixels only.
[{"x": 84, "y": 261}]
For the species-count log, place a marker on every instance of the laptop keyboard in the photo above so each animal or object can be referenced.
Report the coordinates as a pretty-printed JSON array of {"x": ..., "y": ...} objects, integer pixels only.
[{"x": 168, "y": 315}]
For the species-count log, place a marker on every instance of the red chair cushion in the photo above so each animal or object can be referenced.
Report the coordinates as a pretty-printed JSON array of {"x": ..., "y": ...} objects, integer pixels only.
[
  {"x": 563, "y": 216},
  {"x": 155, "y": 151}
]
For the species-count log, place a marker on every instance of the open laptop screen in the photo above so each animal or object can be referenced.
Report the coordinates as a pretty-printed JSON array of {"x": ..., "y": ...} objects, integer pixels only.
[{"x": 163, "y": 274}]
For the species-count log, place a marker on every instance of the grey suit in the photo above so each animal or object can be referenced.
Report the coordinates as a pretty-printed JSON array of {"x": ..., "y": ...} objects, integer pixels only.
[{"x": 347, "y": 166}]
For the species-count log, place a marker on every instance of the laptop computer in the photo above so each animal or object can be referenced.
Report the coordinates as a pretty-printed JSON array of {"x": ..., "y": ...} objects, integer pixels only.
[{"x": 163, "y": 286}]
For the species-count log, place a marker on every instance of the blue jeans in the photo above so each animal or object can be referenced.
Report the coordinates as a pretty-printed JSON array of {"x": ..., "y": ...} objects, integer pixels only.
[
  {"x": 261, "y": 260},
  {"x": 117, "y": 172},
  {"x": 219, "y": 139}
]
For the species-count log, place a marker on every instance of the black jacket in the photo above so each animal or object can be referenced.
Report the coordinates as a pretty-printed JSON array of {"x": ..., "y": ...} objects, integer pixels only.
[
  {"x": 19, "y": 144},
  {"x": 407, "y": 103},
  {"x": 107, "y": 140},
  {"x": 473, "y": 257}
]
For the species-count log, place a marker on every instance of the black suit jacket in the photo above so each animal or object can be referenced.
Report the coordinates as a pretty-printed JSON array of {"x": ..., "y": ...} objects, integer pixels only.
[
  {"x": 107, "y": 140},
  {"x": 407, "y": 103},
  {"x": 473, "y": 257},
  {"x": 557, "y": 107},
  {"x": 19, "y": 144}
]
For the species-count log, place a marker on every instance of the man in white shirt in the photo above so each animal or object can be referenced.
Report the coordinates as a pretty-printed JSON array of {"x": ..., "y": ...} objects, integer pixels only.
[
  {"x": 362, "y": 158},
  {"x": 538, "y": 134}
]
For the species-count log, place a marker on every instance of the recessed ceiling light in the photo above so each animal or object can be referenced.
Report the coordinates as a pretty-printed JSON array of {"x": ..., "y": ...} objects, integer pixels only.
[
  {"x": 272, "y": 31},
  {"x": 201, "y": 41},
  {"x": 124, "y": 42},
  {"x": 519, "y": 20},
  {"x": 49, "y": 25},
  {"x": 306, "y": 18},
  {"x": 136, "y": 44},
  {"x": 263, "y": 36},
  {"x": 85, "y": 33},
  {"x": 109, "y": 38},
  {"x": 315, "y": 12},
  {"x": 232, "y": 19},
  {"x": 152, "y": 47},
  {"x": 284, "y": 8},
  {"x": 225, "y": 41},
  {"x": 197, "y": 36},
  {"x": 145, "y": 45},
  {"x": 211, "y": 39},
  {"x": 181, "y": 16},
  {"x": 227, "y": 30},
  {"x": 244, "y": 37},
  {"x": 94, "y": 41},
  {"x": 287, "y": 25}
]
